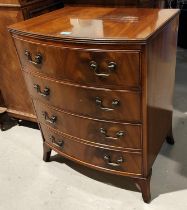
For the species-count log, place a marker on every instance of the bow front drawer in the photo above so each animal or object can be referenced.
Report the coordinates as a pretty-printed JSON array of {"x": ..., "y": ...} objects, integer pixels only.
[
  {"x": 100, "y": 132},
  {"x": 84, "y": 66},
  {"x": 101, "y": 158},
  {"x": 96, "y": 103}
]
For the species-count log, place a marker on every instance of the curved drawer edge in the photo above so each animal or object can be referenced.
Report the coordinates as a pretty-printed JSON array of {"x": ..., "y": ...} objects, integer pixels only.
[
  {"x": 91, "y": 143},
  {"x": 123, "y": 105},
  {"x": 93, "y": 166},
  {"x": 74, "y": 114},
  {"x": 130, "y": 163}
]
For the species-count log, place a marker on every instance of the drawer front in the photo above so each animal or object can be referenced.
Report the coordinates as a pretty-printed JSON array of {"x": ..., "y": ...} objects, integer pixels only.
[
  {"x": 98, "y": 67},
  {"x": 98, "y": 157},
  {"x": 103, "y": 133},
  {"x": 96, "y": 103}
]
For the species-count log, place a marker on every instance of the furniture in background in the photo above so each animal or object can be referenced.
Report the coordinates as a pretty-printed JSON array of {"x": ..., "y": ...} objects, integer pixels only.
[
  {"x": 182, "y": 41},
  {"x": 101, "y": 81},
  {"x": 118, "y": 3},
  {"x": 14, "y": 98}
]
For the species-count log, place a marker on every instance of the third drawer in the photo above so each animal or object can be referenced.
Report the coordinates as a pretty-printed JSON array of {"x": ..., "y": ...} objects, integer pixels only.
[{"x": 110, "y": 134}]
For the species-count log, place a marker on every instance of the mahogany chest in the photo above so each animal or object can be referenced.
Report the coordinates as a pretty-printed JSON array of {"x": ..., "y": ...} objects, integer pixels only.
[{"x": 101, "y": 82}]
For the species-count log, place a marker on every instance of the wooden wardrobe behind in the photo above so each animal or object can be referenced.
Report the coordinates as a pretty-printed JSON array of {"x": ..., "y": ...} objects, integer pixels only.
[{"x": 13, "y": 93}]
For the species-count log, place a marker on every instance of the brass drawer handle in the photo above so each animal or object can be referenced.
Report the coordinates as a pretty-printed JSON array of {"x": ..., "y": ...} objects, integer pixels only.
[
  {"x": 99, "y": 103},
  {"x": 37, "y": 58},
  {"x": 45, "y": 92},
  {"x": 118, "y": 162},
  {"x": 51, "y": 120},
  {"x": 119, "y": 134},
  {"x": 59, "y": 143},
  {"x": 94, "y": 67}
]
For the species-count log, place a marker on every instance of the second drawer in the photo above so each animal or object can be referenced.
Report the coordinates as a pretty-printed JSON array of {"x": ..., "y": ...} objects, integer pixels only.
[
  {"x": 93, "y": 102},
  {"x": 100, "y": 132}
]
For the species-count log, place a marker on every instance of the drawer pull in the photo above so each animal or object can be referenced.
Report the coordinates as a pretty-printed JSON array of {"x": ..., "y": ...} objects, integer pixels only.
[
  {"x": 45, "y": 92},
  {"x": 112, "y": 66},
  {"x": 118, "y": 162},
  {"x": 51, "y": 120},
  {"x": 119, "y": 134},
  {"x": 37, "y": 58},
  {"x": 94, "y": 68},
  {"x": 99, "y": 103},
  {"x": 59, "y": 143}
]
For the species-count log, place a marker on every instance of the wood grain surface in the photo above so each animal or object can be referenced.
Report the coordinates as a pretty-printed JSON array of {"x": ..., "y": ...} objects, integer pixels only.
[
  {"x": 12, "y": 85},
  {"x": 161, "y": 79},
  {"x": 82, "y": 100},
  {"x": 94, "y": 156},
  {"x": 74, "y": 64},
  {"x": 79, "y": 114},
  {"x": 88, "y": 24},
  {"x": 13, "y": 92},
  {"x": 89, "y": 130}
]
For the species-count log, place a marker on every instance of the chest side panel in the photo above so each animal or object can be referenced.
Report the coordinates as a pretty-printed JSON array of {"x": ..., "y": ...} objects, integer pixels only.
[{"x": 160, "y": 84}]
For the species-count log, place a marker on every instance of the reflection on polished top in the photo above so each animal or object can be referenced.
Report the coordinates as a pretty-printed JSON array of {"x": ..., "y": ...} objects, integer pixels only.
[{"x": 97, "y": 23}]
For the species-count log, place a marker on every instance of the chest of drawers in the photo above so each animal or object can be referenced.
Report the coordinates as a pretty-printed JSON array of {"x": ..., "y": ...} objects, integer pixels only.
[{"x": 101, "y": 82}]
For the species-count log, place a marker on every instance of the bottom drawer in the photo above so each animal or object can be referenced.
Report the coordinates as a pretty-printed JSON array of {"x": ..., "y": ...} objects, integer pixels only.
[{"x": 101, "y": 158}]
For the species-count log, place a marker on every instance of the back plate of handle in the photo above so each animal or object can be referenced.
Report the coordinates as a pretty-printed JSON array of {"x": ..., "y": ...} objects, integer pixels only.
[{"x": 117, "y": 163}]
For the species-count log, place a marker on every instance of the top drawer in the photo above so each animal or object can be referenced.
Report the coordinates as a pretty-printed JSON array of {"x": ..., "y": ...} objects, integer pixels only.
[{"x": 83, "y": 66}]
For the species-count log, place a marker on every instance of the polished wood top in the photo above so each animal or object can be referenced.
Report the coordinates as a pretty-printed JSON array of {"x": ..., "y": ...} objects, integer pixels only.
[{"x": 96, "y": 24}]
